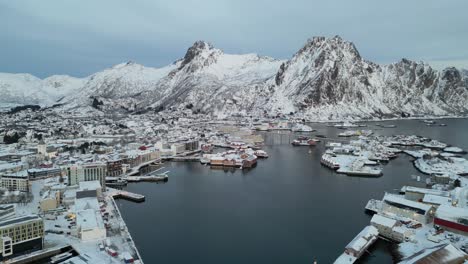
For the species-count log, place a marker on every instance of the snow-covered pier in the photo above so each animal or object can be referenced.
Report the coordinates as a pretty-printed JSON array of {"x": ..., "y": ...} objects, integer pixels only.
[
  {"x": 373, "y": 206},
  {"x": 148, "y": 178},
  {"x": 359, "y": 245},
  {"x": 118, "y": 194},
  {"x": 125, "y": 230}
]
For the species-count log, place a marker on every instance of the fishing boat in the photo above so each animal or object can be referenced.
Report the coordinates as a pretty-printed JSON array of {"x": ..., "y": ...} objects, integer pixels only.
[{"x": 303, "y": 141}]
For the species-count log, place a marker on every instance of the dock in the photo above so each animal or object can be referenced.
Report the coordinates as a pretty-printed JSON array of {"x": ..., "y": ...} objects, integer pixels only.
[
  {"x": 148, "y": 178},
  {"x": 118, "y": 194},
  {"x": 359, "y": 245},
  {"x": 373, "y": 206},
  {"x": 185, "y": 158}
]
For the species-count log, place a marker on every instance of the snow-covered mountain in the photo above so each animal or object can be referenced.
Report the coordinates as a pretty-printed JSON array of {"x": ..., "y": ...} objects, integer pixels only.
[
  {"x": 23, "y": 89},
  {"x": 325, "y": 79},
  {"x": 328, "y": 78}
]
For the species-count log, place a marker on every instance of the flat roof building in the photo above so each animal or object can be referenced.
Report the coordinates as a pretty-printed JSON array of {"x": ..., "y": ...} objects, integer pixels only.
[{"x": 21, "y": 234}]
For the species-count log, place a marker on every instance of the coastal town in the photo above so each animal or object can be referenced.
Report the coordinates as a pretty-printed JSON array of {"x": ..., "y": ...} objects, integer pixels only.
[{"x": 60, "y": 176}]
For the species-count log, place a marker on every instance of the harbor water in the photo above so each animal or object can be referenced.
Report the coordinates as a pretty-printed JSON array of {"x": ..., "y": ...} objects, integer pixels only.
[{"x": 288, "y": 209}]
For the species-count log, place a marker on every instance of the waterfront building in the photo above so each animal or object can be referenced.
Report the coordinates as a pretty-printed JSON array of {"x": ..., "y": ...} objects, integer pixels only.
[
  {"x": 114, "y": 167},
  {"x": 91, "y": 187},
  {"x": 90, "y": 225},
  {"x": 362, "y": 242},
  {"x": 390, "y": 228},
  {"x": 192, "y": 145},
  {"x": 87, "y": 172},
  {"x": 417, "y": 194},
  {"x": 21, "y": 234},
  {"x": 444, "y": 253},
  {"x": 177, "y": 148},
  {"x": 398, "y": 205},
  {"x": 452, "y": 218}
]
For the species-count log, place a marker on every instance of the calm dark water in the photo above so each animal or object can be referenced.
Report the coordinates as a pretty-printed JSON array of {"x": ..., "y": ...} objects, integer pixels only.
[{"x": 289, "y": 209}]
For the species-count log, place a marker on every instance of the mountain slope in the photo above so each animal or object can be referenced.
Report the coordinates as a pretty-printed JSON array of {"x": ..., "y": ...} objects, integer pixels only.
[
  {"x": 326, "y": 79},
  {"x": 22, "y": 89}
]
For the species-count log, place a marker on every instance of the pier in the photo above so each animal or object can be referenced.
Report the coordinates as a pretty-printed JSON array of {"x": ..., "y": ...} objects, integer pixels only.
[
  {"x": 148, "y": 178},
  {"x": 373, "y": 206},
  {"x": 187, "y": 158},
  {"x": 359, "y": 245},
  {"x": 118, "y": 194}
]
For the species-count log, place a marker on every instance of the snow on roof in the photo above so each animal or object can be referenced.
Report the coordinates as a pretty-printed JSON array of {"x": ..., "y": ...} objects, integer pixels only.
[
  {"x": 42, "y": 169},
  {"x": 427, "y": 191},
  {"x": 382, "y": 220},
  {"x": 400, "y": 200},
  {"x": 90, "y": 185},
  {"x": 88, "y": 219},
  {"x": 451, "y": 213},
  {"x": 18, "y": 174},
  {"x": 86, "y": 203},
  {"x": 361, "y": 240},
  {"x": 9, "y": 166},
  {"x": 445, "y": 253},
  {"x": 20, "y": 219},
  {"x": 436, "y": 199}
]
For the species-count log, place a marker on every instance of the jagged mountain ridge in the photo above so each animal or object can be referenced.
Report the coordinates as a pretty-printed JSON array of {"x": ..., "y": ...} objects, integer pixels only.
[{"x": 325, "y": 79}]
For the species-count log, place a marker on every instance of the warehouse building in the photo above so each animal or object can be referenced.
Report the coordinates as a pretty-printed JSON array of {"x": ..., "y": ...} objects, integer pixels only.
[
  {"x": 452, "y": 218},
  {"x": 398, "y": 205}
]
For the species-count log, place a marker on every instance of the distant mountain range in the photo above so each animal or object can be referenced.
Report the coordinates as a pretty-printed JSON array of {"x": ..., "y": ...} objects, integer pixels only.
[{"x": 325, "y": 79}]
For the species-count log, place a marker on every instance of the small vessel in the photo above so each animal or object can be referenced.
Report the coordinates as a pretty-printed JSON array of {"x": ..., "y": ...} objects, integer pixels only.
[
  {"x": 345, "y": 125},
  {"x": 301, "y": 128},
  {"x": 261, "y": 153},
  {"x": 303, "y": 141},
  {"x": 327, "y": 160}
]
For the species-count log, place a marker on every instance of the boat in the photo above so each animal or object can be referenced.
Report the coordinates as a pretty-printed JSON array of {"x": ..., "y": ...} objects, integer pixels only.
[
  {"x": 345, "y": 125},
  {"x": 301, "y": 128},
  {"x": 327, "y": 160},
  {"x": 303, "y": 141},
  {"x": 358, "y": 168},
  {"x": 261, "y": 153}
]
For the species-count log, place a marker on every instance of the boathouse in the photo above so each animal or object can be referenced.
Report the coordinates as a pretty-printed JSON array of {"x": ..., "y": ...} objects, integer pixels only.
[
  {"x": 398, "y": 205},
  {"x": 452, "y": 218}
]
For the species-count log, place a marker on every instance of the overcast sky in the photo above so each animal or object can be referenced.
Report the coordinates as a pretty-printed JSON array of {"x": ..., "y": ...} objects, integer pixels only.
[{"x": 81, "y": 37}]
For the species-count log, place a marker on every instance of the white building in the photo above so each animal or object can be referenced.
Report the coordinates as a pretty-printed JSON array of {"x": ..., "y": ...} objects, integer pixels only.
[
  {"x": 87, "y": 172},
  {"x": 91, "y": 186},
  {"x": 177, "y": 148},
  {"x": 390, "y": 228},
  {"x": 399, "y": 206},
  {"x": 90, "y": 225},
  {"x": 15, "y": 182}
]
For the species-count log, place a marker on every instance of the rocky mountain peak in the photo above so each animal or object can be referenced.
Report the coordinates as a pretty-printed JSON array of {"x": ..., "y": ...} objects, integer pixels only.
[
  {"x": 201, "y": 51},
  {"x": 329, "y": 45}
]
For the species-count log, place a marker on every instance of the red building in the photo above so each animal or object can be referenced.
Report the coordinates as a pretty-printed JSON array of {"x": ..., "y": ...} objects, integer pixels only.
[{"x": 452, "y": 218}]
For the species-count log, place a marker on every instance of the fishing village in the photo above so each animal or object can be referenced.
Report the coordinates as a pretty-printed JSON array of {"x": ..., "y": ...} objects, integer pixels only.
[{"x": 64, "y": 189}]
